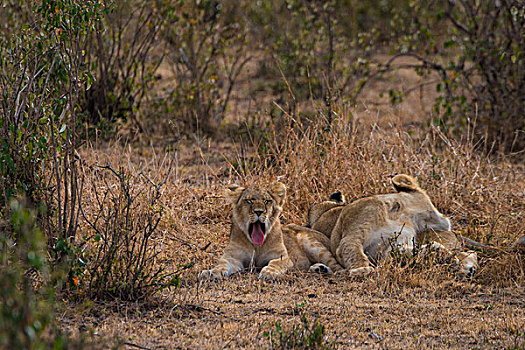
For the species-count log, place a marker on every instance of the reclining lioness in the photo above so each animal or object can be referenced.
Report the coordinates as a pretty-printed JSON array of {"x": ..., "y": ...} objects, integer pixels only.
[
  {"x": 369, "y": 227},
  {"x": 257, "y": 240}
]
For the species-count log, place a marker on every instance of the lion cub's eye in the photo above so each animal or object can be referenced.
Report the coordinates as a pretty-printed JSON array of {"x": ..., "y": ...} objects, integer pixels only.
[
  {"x": 267, "y": 201},
  {"x": 249, "y": 201}
]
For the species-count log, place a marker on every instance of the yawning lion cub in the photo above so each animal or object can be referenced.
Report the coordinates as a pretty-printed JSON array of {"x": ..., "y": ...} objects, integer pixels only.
[{"x": 257, "y": 240}]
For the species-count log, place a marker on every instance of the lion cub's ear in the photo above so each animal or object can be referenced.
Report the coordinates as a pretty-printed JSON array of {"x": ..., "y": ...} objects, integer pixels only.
[
  {"x": 278, "y": 192},
  {"x": 405, "y": 183},
  {"x": 233, "y": 193}
]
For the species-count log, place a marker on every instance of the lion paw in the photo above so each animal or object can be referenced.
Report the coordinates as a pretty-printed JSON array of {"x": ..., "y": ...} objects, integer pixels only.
[
  {"x": 320, "y": 268},
  {"x": 361, "y": 271},
  {"x": 468, "y": 264},
  {"x": 269, "y": 273},
  {"x": 212, "y": 275}
]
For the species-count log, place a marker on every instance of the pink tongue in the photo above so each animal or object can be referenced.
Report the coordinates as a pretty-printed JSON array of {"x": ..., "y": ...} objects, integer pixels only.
[{"x": 257, "y": 234}]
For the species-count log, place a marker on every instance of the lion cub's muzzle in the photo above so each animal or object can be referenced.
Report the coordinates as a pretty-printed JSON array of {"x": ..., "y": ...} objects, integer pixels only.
[{"x": 257, "y": 229}]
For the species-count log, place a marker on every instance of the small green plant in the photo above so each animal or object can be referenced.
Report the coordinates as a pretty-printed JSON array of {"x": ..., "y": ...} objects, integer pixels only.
[
  {"x": 26, "y": 296},
  {"x": 519, "y": 340},
  {"x": 305, "y": 335}
]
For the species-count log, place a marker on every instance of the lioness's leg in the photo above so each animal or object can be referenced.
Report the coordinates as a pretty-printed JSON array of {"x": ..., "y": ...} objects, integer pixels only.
[
  {"x": 350, "y": 254},
  {"x": 467, "y": 261},
  {"x": 354, "y": 226},
  {"x": 315, "y": 245},
  {"x": 276, "y": 268},
  {"x": 231, "y": 262}
]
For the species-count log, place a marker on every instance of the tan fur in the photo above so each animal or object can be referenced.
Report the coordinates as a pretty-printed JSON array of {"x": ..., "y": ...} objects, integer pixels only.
[
  {"x": 278, "y": 253},
  {"x": 316, "y": 246},
  {"x": 324, "y": 215},
  {"x": 370, "y": 227},
  {"x": 447, "y": 238}
]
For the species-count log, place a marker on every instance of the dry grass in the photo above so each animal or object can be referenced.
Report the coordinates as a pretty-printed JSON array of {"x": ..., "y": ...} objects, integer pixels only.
[
  {"x": 414, "y": 304},
  {"x": 236, "y": 313}
]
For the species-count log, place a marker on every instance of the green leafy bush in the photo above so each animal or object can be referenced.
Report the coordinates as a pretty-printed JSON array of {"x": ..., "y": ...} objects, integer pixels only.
[
  {"x": 44, "y": 78},
  {"x": 477, "y": 50},
  {"x": 41, "y": 78},
  {"x": 27, "y": 298},
  {"x": 28, "y": 287},
  {"x": 42, "y": 74},
  {"x": 26, "y": 111}
]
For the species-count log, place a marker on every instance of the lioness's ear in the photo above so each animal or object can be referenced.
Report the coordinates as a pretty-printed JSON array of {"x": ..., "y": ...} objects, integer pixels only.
[
  {"x": 233, "y": 193},
  {"x": 278, "y": 192},
  {"x": 337, "y": 197},
  {"x": 405, "y": 183}
]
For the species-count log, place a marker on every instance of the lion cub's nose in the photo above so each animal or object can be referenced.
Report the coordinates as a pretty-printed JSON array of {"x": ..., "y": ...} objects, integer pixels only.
[{"x": 258, "y": 212}]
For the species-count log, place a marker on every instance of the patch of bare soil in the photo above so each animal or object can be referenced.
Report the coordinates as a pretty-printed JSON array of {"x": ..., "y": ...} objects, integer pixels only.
[{"x": 237, "y": 312}]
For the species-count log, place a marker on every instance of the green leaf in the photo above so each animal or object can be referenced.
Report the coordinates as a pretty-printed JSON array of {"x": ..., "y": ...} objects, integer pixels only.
[
  {"x": 175, "y": 281},
  {"x": 61, "y": 245}
]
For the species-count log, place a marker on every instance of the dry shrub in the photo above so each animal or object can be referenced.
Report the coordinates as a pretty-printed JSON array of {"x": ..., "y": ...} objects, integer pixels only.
[
  {"x": 122, "y": 261},
  {"x": 483, "y": 196},
  {"x": 207, "y": 52}
]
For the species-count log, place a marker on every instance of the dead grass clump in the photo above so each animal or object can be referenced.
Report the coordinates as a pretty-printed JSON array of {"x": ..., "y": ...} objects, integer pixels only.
[
  {"x": 432, "y": 272},
  {"x": 505, "y": 270}
]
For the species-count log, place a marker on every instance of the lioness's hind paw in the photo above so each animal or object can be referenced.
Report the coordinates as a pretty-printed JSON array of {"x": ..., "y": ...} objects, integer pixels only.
[
  {"x": 361, "y": 271},
  {"x": 320, "y": 268},
  {"x": 468, "y": 264}
]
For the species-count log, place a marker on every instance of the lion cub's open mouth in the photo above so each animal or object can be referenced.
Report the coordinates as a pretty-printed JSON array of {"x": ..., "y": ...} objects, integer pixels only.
[{"x": 257, "y": 230}]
